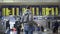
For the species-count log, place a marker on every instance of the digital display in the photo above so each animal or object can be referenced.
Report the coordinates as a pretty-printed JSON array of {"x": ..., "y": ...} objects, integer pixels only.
[{"x": 44, "y": 10}]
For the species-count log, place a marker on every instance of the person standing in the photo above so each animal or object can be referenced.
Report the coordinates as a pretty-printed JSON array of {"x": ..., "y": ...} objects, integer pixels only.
[
  {"x": 42, "y": 28},
  {"x": 28, "y": 21},
  {"x": 17, "y": 25},
  {"x": 38, "y": 29},
  {"x": 7, "y": 27},
  {"x": 11, "y": 22},
  {"x": 7, "y": 24},
  {"x": 49, "y": 24},
  {"x": 55, "y": 27}
]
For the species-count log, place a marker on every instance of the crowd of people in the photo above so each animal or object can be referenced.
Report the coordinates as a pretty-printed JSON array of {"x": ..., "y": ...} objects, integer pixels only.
[{"x": 28, "y": 28}]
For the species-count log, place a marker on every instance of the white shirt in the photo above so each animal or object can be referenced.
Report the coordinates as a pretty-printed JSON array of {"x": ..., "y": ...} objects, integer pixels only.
[{"x": 11, "y": 22}]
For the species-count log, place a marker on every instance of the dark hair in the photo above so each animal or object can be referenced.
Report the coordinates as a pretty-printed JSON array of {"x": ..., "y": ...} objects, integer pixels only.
[{"x": 28, "y": 7}]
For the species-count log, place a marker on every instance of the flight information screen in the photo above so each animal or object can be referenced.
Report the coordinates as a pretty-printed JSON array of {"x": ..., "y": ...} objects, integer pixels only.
[{"x": 44, "y": 10}]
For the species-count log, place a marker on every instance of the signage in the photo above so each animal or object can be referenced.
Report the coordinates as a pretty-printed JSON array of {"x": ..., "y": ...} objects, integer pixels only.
[{"x": 44, "y": 10}]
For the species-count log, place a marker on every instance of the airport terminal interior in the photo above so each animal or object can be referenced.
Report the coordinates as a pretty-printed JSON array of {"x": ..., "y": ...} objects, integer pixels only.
[{"x": 29, "y": 17}]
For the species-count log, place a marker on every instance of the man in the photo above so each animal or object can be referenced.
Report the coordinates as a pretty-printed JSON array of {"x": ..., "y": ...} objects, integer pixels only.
[
  {"x": 7, "y": 24},
  {"x": 55, "y": 27},
  {"x": 17, "y": 25},
  {"x": 27, "y": 19},
  {"x": 7, "y": 27}
]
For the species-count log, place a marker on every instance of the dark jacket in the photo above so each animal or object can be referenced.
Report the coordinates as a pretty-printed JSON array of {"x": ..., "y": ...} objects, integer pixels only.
[
  {"x": 7, "y": 24},
  {"x": 56, "y": 24}
]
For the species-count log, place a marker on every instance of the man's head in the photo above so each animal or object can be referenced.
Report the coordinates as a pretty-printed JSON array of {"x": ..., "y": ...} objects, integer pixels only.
[{"x": 28, "y": 7}]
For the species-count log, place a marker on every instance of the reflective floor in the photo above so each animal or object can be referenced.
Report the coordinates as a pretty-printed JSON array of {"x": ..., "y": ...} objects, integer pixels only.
[{"x": 47, "y": 32}]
